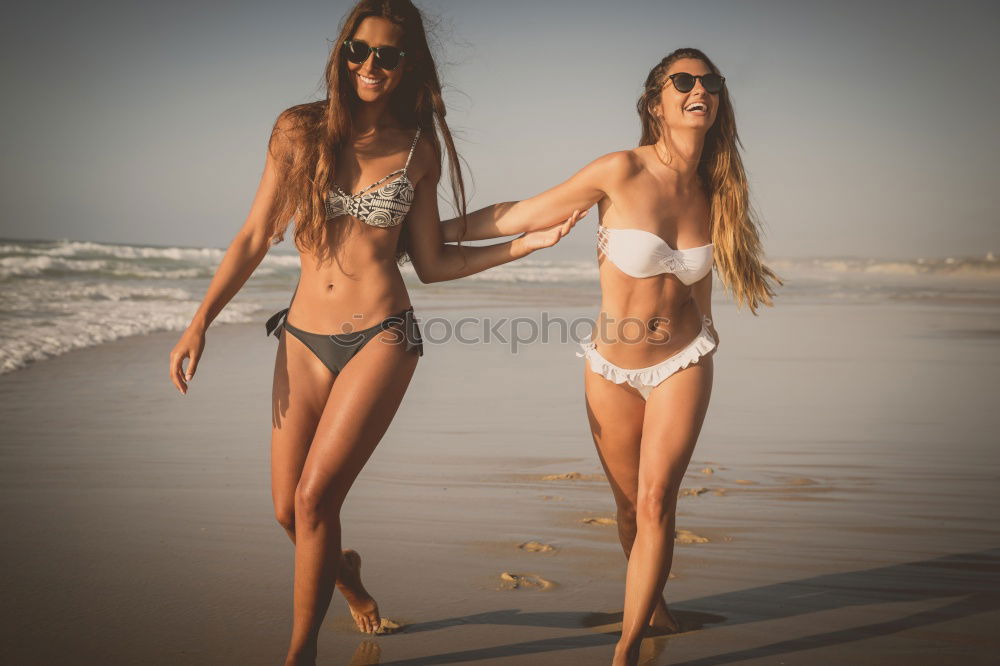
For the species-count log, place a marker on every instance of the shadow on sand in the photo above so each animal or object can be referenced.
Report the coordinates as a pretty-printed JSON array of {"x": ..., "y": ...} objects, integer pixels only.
[{"x": 975, "y": 577}]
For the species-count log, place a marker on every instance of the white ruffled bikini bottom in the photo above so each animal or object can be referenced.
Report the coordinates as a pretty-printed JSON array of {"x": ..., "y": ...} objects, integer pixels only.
[{"x": 646, "y": 379}]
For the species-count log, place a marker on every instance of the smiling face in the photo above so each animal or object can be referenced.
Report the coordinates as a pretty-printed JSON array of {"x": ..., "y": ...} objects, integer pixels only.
[
  {"x": 371, "y": 82},
  {"x": 695, "y": 109}
]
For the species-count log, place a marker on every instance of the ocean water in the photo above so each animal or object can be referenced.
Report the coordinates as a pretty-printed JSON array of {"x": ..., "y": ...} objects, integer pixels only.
[{"x": 58, "y": 296}]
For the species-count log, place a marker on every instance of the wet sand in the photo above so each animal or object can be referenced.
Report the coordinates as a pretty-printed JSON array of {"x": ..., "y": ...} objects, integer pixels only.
[{"x": 849, "y": 515}]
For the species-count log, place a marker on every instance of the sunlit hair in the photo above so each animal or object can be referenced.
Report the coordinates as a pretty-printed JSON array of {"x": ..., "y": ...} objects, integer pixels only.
[
  {"x": 306, "y": 138},
  {"x": 735, "y": 227}
]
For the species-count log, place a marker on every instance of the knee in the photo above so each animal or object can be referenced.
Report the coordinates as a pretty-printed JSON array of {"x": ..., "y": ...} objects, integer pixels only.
[
  {"x": 626, "y": 513},
  {"x": 314, "y": 505},
  {"x": 656, "y": 504},
  {"x": 285, "y": 513}
]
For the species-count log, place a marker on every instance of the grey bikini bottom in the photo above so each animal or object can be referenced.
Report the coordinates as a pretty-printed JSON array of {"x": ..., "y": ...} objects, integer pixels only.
[{"x": 337, "y": 349}]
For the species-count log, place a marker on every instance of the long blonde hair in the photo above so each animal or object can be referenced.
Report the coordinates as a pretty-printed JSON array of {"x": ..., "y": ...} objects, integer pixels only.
[
  {"x": 306, "y": 138},
  {"x": 734, "y": 223}
]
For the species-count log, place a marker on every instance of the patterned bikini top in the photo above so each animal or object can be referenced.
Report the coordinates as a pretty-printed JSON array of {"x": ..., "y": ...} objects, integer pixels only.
[
  {"x": 386, "y": 206},
  {"x": 640, "y": 254}
]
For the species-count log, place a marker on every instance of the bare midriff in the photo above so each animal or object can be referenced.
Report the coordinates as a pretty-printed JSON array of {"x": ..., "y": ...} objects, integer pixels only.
[
  {"x": 642, "y": 321},
  {"x": 355, "y": 286}
]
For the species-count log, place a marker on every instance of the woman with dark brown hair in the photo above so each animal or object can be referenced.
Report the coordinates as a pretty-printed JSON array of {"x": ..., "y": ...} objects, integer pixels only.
[
  {"x": 669, "y": 210},
  {"x": 376, "y": 135}
]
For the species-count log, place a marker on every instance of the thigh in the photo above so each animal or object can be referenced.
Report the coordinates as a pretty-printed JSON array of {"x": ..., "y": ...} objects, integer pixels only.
[
  {"x": 615, "y": 412},
  {"x": 300, "y": 390},
  {"x": 358, "y": 411},
  {"x": 675, "y": 412}
]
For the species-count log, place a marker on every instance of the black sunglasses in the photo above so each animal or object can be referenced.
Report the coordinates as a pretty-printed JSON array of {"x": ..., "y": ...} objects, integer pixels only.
[
  {"x": 386, "y": 57},
  {"x": 684, "y": 82}
]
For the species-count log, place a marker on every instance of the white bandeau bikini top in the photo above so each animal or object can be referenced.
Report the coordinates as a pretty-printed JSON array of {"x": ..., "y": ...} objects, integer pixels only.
[
  {"x": 385, "y": 207},
  {"x": 643, "y": 254}
]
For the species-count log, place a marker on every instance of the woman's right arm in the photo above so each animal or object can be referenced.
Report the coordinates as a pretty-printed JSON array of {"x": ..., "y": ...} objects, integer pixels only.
[
  {"x": 244, "y": 254},
  {"x": 583, "y": 190}
]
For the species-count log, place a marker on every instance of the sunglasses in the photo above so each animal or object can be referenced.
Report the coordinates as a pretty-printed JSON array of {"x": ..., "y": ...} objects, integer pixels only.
[
  {"x": 684, "y": 82},
  {"x": 386, "y": 57}
]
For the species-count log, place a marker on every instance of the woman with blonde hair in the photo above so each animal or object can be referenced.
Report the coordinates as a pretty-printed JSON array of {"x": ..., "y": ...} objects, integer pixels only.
[
  {"x": 669, "y": 210},
  {"x": 358, "y": 171}
]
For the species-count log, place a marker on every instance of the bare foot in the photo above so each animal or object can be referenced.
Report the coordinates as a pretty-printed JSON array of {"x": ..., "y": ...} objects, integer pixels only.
[
  {"x": 662, "y": 620},
  {"x": 305, "y": 656},
  {"x": 363, "y": 608},
  {"x": 626, "y": 656}
]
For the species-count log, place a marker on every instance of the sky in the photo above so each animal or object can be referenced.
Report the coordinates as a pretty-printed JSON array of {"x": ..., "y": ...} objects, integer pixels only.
[{"x": 870, "y": 128}]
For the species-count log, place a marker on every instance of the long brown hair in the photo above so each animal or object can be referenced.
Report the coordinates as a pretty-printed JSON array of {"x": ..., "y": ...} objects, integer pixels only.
[
  {"x": 306, "y": 138},
  {"x": 735, "y": 226}
]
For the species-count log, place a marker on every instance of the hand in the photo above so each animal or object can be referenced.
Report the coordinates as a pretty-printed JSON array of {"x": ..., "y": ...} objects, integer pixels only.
[
  {"x": 190, "y": 346},
  {"x": 543, "y": 238}
]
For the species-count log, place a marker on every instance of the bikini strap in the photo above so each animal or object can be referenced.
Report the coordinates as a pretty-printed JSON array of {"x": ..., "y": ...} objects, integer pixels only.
[
  {"x": 412, "y": 148},
  {"x": 602, "y": 239}
]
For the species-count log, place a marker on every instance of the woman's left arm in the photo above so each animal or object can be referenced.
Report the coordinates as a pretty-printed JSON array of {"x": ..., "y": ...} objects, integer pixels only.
[{"x": 584, "y": 189}]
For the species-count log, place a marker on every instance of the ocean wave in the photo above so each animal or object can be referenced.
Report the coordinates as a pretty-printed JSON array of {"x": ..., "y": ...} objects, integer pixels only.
[
  {"x": 54, "y": 266},
  {"x": 85, "y": 258},
  {"x": 67, "y": 248},
  {"x": 45, "y": 334},
  {"x": 32, "y": 294},
  {"x": 985, "y": 266}
]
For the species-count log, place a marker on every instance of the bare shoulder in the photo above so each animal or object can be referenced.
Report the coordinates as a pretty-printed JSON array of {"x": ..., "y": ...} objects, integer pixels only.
[
  {"x": 426, "y": 162},
  {"x": 617, "y": 166}
]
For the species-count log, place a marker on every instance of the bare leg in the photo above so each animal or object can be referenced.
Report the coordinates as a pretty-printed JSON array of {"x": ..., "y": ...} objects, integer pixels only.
[
  {"x": 301, "y": 389},
  {"x": 616, "y": 414},
  {"x": 357, "y": 413},
  {"x": 675, "y": 413}
]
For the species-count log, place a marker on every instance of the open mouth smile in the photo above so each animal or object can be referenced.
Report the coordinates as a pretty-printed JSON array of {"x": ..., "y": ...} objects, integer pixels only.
[{"x": 369, "y": 82}]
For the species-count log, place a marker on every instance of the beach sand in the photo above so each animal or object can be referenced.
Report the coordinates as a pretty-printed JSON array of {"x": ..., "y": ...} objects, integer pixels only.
[{"x": 850, "y": 515}]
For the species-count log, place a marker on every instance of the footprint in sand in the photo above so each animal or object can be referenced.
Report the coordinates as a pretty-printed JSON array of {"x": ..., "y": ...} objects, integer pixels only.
[
  {"x": 719, "y": 492},
  {"x": 686, "y": 537},
  {"x": 572, "y": 476},
  {"x": 536, "y": 547},
  {"x": 802, "y": 481},
  {"x": 599, "y": 521},
  {"x": 707, "y": 471},
  {"x": 387, "y": 626},
  {"x": 745, "y": 482},
  {"x": 693, "y": 492},
  {"x": 554, "y": 498},
  {"x": 513, "y": 581}
]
